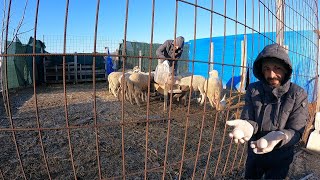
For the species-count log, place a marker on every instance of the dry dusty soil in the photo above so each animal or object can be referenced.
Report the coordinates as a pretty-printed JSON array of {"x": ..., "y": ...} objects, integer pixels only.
[{"x": 106, "y": 135}]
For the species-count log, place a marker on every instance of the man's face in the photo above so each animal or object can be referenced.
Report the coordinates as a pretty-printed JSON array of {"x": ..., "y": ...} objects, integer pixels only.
[
  {"x": 274, "y": 72},
  {"x": 176, "y": 50}
]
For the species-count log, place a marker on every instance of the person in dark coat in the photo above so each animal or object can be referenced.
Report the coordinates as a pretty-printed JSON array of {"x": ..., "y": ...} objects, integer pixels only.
[
  {"x": 273, "y": 117},
  {"x": 172, "y": 50}
]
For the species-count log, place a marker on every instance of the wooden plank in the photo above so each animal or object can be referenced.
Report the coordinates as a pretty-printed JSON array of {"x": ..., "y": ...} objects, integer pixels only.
[
  {"x": 91, "y": 72},
  {"x": 75, "y": 59},
  {"x": 73, "y": 71},
  {"x": 68, "y": 70},
  {"x": 56, "y": 72},
  {"x": 44, "y": 70},
  {"x": 80, "y": 72}
]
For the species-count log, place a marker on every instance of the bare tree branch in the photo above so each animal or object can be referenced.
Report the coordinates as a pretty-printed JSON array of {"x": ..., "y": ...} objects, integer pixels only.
[
  {"x": 20, "y": 24},
  {"x": 3, "y": 24}
]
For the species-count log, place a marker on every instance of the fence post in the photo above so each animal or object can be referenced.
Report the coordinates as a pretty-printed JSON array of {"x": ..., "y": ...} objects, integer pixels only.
[
  {"x": 44, "y": 64},
  {"x": 44, "y": 69},
  {"x": 243, "y": 69},
  {"x": 75, "y": 60},
  {"x": 211, "y": 55},
  {"x": 140, "y": 54},
  {"x": 280, "y": 22},
  {"x": 317, "y": 81}
]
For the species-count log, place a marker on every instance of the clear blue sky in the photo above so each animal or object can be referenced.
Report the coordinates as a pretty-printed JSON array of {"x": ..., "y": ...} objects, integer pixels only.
[
  {"x": 112, "y": 17},
  {"x": 81, "y": 21}
]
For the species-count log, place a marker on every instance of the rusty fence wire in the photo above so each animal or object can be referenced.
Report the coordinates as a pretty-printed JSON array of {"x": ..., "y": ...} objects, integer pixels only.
[{"x": 59, "y": 119}]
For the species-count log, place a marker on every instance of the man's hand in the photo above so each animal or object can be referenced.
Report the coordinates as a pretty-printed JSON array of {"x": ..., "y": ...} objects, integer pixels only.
[
  {"x": 160, "y": 61},
  {"x": 268, "y": 142},
  {"x": 242, "y": 131}
]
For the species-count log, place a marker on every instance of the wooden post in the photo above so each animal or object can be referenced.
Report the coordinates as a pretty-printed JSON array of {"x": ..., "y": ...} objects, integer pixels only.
[
  {"x": 165, "y": 101},
  {"x": 0, "y": 75},
  {"x": 105, "y": 62},
  {"x": 286, "y": 48},
  {"x": 140, "y": 54},
  {"x": 280, "y": 22},
  {"x": 243, "y": 69},
  {"x": 80, "y": 72},
  {"x": 211, "y": 55},
  {"x": 68, "y": 69},
  {"x": 57, "y": 75},
  {"x": 44, "y": 70},
  {"x": 75, "y": 62},
  {"x": 317, "y": 83}
]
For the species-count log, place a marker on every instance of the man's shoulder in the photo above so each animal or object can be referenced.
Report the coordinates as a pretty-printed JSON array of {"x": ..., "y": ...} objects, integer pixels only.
[
  {"x": 295, "y": 88},
  {"x": 255, "y": 85},
  {"x": 169, "y": 41}
]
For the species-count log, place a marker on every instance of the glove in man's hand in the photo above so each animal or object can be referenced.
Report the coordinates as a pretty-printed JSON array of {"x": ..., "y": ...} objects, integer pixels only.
[
  {"x": 242, "y": 131},
  {"x": 268, "y": 142}
]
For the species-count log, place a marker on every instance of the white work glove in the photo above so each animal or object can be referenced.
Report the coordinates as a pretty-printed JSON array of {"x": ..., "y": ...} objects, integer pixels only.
[
  {"x": 160, "y": 61},
  {"x": 242, "y": 131},
  {"x": 268, "y": 142}
]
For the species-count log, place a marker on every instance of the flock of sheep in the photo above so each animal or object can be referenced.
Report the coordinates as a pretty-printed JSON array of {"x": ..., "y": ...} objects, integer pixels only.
[{"x": 134, "y": 85}]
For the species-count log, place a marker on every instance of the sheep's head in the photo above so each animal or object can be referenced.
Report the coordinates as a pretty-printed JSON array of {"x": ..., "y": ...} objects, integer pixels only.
[
  {"x": 173, "y": 80},
  {"x": 136, "y": 69},
  {"x": 177, "y": 79},
  {"x": 220, "y": 104},
  {"x": 214, "y": 74}
]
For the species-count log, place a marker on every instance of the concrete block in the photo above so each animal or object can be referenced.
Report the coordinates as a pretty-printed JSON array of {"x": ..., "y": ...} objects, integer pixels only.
[
  {"x": 314, "y": 141},
  {"x": 314, "y": 138},
  {"x": 317, "y": 121}
]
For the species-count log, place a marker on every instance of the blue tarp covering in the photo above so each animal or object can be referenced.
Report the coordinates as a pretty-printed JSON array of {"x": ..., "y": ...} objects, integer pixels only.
[{"x": 227, "y": 57}]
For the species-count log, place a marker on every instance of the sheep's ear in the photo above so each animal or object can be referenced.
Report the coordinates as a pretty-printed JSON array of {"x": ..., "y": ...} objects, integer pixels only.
[
  {"x": 223, "y": 103},
  {"x": 224, "y": 98}
]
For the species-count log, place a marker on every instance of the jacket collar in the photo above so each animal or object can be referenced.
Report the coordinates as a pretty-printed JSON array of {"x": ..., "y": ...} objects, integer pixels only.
[{"x": 279, "y": 91}]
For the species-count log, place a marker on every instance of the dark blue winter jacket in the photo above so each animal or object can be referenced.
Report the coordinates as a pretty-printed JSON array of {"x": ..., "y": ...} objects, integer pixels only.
[{"x": 271, "y": 109}]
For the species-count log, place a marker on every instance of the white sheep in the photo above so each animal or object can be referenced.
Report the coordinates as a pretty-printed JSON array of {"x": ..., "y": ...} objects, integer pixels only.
[
  {"x": 114, "y": 84},
  {"x": 180, "y": 92},
  {"x": 185, "y": 91},
  {"x": 140, "y": 83},
  {"x": 197, "y": 85},
  {"x": 125, "y": 86},
  {"x": 213, "y": 89}
]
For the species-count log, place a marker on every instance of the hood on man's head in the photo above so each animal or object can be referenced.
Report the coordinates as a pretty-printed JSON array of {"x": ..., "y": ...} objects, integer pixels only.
[
  {"x": 180, "y": 41},
  {"x": 272, "y": 52}
]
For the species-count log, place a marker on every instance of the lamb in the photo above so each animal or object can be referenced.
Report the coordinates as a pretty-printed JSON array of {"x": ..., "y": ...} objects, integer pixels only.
[
  {"x": 213, "y": 89},
  {"x": 185, "y": 90},
  {"x": 197, "y": 85},
  {"x": 180, "y": 92},
  {"x": 140, "y": 83},
  {"x": 134, "y": 85},
  {"x": 126, "y": 87},
  {"x": 114, "y": 84}
]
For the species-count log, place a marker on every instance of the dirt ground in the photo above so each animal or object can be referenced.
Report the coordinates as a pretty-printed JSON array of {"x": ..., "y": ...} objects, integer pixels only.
[
  {"x": 306, "y": 165},
  {"x": 122, "y": 136}
]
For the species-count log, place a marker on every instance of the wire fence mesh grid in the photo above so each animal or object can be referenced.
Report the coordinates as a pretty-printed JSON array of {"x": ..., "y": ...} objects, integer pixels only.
[{"x": 79, "y": 130}]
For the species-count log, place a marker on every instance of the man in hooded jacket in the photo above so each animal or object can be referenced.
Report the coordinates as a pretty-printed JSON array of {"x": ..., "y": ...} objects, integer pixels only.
[
  {"x": 273, "y": 117},
  {"x": 171, "y": 49}
]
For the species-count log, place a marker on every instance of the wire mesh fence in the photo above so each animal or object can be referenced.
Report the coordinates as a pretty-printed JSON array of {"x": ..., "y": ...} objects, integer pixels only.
[{"x": 60, "y": 120}]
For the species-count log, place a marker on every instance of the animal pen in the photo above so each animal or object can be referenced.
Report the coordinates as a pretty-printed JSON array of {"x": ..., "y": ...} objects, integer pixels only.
[{"x": 56, "y": 123}]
